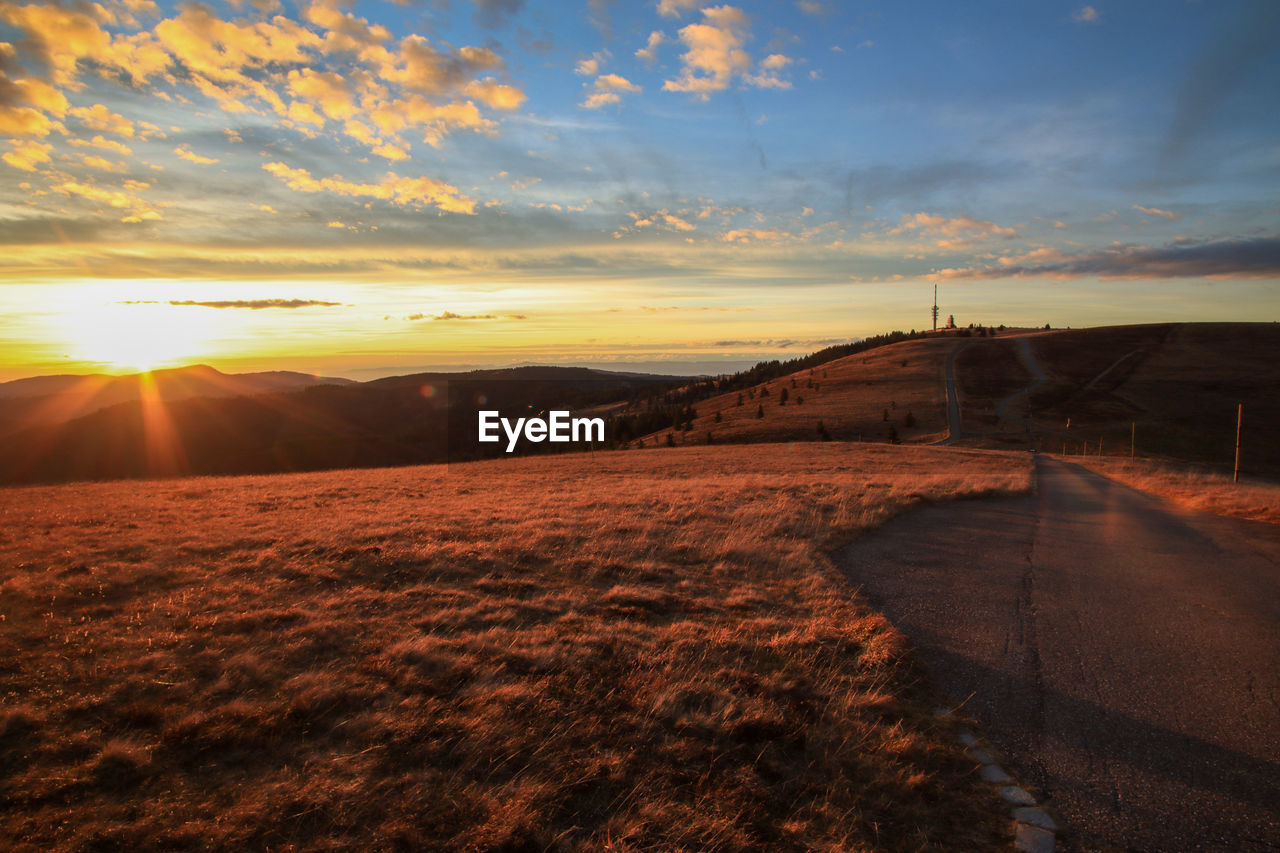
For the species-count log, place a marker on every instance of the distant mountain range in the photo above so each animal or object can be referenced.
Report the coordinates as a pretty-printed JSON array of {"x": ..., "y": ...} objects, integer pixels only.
[{"x": 198, "y": 420}]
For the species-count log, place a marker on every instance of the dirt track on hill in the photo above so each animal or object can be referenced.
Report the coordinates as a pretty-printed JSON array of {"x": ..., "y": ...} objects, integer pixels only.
[{"x": 1122, "y": 653}]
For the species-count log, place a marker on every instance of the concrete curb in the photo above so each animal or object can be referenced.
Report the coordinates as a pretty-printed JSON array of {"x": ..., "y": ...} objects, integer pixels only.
[{"x": 1034, "y": 831}]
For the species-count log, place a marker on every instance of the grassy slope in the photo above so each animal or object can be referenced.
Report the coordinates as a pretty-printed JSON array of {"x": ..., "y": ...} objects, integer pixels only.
[
  {"x": 850, "y": 399},
  {"x": 1180, "y": 384},
  {"x": 643, "y": 650}
]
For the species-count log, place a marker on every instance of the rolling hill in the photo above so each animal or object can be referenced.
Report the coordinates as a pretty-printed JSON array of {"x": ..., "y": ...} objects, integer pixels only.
[
  {"x": 55, "y": 399},
  {"x": 394, "y": 421},
  {"x": 1173, "y": 388}
]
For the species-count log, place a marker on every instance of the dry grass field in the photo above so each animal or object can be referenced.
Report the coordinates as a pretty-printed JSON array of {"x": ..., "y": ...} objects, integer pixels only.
[
  {"x": 862, "y": 397},
  {"x": 643, "y": 650},
  {"x": 1193, "y": 487}
]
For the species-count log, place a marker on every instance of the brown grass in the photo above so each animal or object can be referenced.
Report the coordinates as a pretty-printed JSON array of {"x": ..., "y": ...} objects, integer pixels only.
[
  {"x": 856, "y": 398},
  {"x": 1193, "y": 487},
  {"x": 632, "y": 651}
]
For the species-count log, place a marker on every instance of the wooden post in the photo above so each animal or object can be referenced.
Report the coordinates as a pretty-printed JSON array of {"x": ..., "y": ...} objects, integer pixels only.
[
  {"x": 1235, "y": 478},
  {"x": 1133, "y": 437}
]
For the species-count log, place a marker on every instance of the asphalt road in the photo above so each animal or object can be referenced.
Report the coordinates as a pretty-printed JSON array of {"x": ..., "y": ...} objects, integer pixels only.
[
  {"x": 955, "y": 428},
  {"x": 1124, "y": 655}
]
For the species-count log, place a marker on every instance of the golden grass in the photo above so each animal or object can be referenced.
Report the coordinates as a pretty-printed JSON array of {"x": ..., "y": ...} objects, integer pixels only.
[
  {"x": 1193, "y": 487},
  {"x": 645, "y": 650},
  {"x": 855, "y": 398}
]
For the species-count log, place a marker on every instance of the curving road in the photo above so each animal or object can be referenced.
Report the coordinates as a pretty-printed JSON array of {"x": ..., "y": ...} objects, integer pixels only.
[{"x": 1124, "y": 654}]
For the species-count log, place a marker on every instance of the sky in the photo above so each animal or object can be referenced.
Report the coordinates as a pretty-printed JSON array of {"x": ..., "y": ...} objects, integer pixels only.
[{"x": 372, "y": 188}]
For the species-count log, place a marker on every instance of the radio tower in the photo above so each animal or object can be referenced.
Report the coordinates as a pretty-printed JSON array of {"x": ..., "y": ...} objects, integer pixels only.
[{"x": 935, "y": 306}]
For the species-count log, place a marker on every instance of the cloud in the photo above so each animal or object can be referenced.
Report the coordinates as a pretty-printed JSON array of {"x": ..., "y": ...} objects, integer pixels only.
[
  {"x": 1155, "y": 211},
  {"x": 27, "y": 156},
  {"x": 649, "y": 53},
  {"x": 495, "y": 95},
  {"x": 955, "y": 232},
  {"x": 394, "y": 188},
  {"x": 103, "y": 143},
  {"x": 345, "y": 33},
  {"x": 185, "y": 152},
  {"x": 674, "y": 8},
  {"x": 326, "y": 90},
  {"x": 126, "y": 199},
  {"x": 809, "y": 7},
  {"x": 715, "y": 52},
  {"x": 755, "y": 235},
  {"x": 1086, "y": 15},
  {"x": 449, "y": 315},
  {"x": 98, "y": 117},
  {"x": 766, "y": 76},
  {"x": 1256, "y": 258},
  {"x": 256, "y": 304},
  {"x": 589, "y": 66},
  {"x": 608, "y": 89}
]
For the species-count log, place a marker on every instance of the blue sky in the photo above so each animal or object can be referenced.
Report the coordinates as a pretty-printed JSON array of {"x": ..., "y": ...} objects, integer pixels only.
[{"x": 376, "y": 187}]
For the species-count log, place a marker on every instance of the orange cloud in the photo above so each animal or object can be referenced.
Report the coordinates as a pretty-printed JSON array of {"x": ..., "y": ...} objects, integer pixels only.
[
  {"x": 190, "y": 156},
  {"x": 495, "y": 95},
  {"x": 715, "y": 52},
  {"x": 103, "y": 143},
  {"x": 393, "y": 188},
  {"x": 326, "y": 89},
  {"x": 136, "y": 210},
  {"x": 957, "y": 231},
  {"x": 608, "y": 89},
  {"x": 27, "y": 156},
  {"x": 98, "y": 117}
]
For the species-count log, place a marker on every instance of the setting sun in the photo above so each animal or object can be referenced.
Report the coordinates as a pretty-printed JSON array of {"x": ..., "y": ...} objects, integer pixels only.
[{"x": 136, "y": 334}]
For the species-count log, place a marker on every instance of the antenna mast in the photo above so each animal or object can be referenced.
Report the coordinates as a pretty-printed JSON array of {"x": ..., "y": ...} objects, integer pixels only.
[{"x": 935, "y": 306}]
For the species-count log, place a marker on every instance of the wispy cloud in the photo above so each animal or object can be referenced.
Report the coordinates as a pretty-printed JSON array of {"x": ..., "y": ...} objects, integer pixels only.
[
  {"x": 185, "y": 152},
  {"x": 256, "y": 304},
  {"x": 1086, "y": 15},
  {"x": 1256, "y": 258},
  {"x": 450, "y": 315},
  {"x": 1155, "y": 211}
]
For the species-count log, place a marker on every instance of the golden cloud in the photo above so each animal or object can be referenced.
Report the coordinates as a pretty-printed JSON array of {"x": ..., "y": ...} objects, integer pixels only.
[
  {"x": 185, "y": 152},
  {"x": 136, "y": 209},
  {"x": 715, "y": 52},
  {"x": 27, "y": 156},
  {"x": 98, "y": 117},
  {"x": 393, "y": 188}
]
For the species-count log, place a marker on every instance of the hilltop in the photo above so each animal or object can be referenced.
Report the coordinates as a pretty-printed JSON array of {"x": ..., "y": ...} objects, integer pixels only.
[{"x": 1173, "y": 387}]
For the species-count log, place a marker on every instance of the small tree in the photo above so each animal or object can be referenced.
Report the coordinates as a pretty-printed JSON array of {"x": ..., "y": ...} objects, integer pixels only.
[
  {"x": 764, "y": 391},
  {"x": 760, "y": 411},
  {"x": 739, "y": 398},
  {"x": 782, "y": 397},
  {"x": 909, "y": 420},
  {"x": 671, "y": 439},
  {"x": 893, "y": 434},
  {"x": 718, "y": 417},
  {"x": 885, "y": 416},
  {"x": 822, "y": 432}
]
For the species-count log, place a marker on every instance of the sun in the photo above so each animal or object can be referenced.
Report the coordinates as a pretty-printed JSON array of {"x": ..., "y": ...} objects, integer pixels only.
[{"x": 138, "y": 335}]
